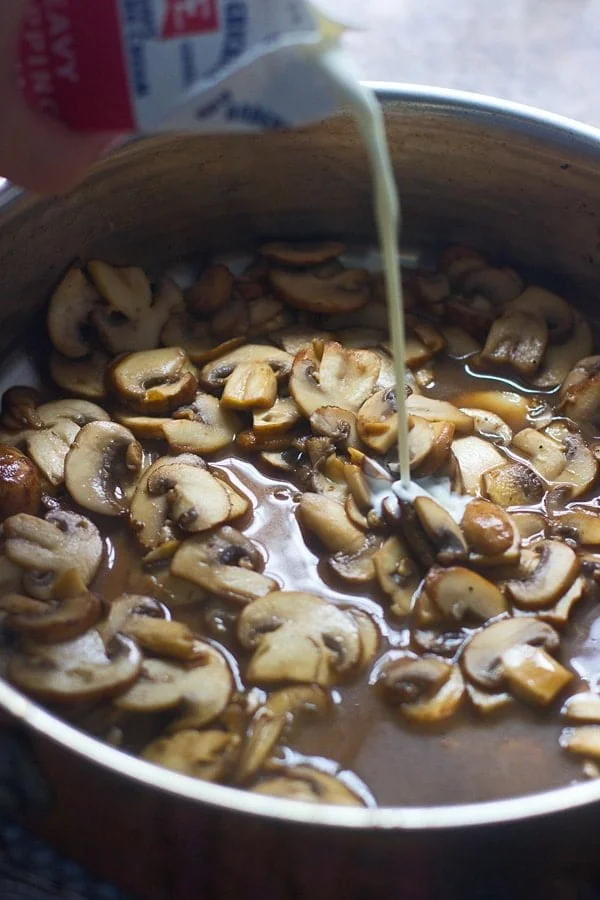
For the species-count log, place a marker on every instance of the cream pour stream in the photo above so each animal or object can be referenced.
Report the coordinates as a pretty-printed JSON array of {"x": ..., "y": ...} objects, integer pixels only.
[{"x": 370, "y": 121}]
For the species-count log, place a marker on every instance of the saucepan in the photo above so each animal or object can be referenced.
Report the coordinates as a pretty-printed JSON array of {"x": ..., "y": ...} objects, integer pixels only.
[{"x": 521, "y": 185}]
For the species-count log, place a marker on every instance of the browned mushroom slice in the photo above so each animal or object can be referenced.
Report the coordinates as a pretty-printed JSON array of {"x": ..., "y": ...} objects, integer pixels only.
[
  {"x": 163, "y": 637},
  {"x": 422, "y": 342},
  {"x": 49, "y": 447},
  {"x": 459, "y": 343},
  {"x": 545, "y": 454},
  {"x": 474, "y": 314},
  {"x": 78, "y": 670},
  {"x": 489, "y": 425},
  {"x": 558, "y": 614},
  {"x": 512, "y": 652},
  {"x": 423, "y": 690},
  {"x": 300, "y": 638},
  {"x": 474, "y": 458},
  {"x": 196, "y": 338},
  {"x": 215, "y": 374},
  {"x": 153, "y": 381},
  {"x": 512, "y": 408},
  {"x": 337, "y": 424},
  {"x": 397, "y": 575},
  {"x": 102, "y": 467},
  {"x": 580, "y": 392},
  {"x": 549, "y": 568},
  {"x": 20, "y": 487},
  {"x": 441, "y": 529},
  {"x": 581, "y": 524},
  {"x": 499, "y": 286},
  {"x": 211, "y": 292},
  {"x": 439, "y": 411},
  {"x": 68, "y": 314},
  {"x": 45, "y": 548},
  {"x": 512, "y": 484},
  {"x": 327, "y": 519},
  {"x": 343, "y": 292},
  {"x": 582, "y": 707},
  {"x": 582, "y": 741},
  {"x": 308, "y": 785},
  {"x": 223, "y": 563},
  {"x": 199, "y": 692},
  {"x": 239, "y": 503},
  {"x": 124, "y": 607},
  {"x": 301, "y": 255},
  {"x": 250, "y": 385},
  {"x": 272, "y": 720},
  {"x": 559, "y": 359},
  {"x": 297, "y": 337},
  {"x": 559, "y": 456},
  {"x": 74, "y": 611},
  {"x": 279, "y": 418},
  {"x": 335, "y": 377},
  {"x": 121, "y": 334},
  {"x": 517, "y": 339},
  {"x": 460, "y": 593},
  {"x": 556, "y": 312},
  {"x": 377, "y": 421},
  {"x": 81, "y": 377},
  {"x": 193, "y": 498},
  {"x": 486, "y": 702},
  {"x": 209, "y": 755},
  {"x": 126, "y": 289},
  {"x": 356, "y": 567},
  {"x": 530, "y": 525},
  {"x": 202, "y": 427}
]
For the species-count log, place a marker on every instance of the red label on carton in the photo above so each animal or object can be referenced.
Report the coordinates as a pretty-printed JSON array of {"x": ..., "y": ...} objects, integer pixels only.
[{"x": 190, "y": 17}]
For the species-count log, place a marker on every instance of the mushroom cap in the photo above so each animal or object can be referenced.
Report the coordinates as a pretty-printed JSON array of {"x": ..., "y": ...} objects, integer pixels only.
[
  {"x": 209, "y": 755},
  {"x": 45, "y": 548},
  {"x": 338, "y": 377},
  {"x": 298, "y": 637},
  {"x": 458, "y": 592},
  {"x": 482, "y": 658},
  {"x": 487, "y": 528},
  {"x": 153, "y": 381},
  {"x": 102, "y": 467},
  {"x": 20, "y": 487},
  {"x": 82, "y": 669},
  {"x": 512, "y": 484}
]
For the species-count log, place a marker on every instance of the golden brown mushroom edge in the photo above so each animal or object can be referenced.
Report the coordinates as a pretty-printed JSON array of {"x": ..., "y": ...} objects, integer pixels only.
[{"x": 150, "y": 590}]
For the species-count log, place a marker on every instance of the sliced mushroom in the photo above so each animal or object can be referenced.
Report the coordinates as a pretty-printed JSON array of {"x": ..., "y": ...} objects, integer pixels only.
[
  {"x": 297, "y": 337},
  {"x": 559, "y": 359},
  {"x": 342, "y": 292},
  {"x": 460, "y": 593},
  {"x": 432, "y": 288},
  {"x": 549, "y": 568},
  {"x": 459, "y": 343},
  {"x": 486, "y": 702},
  {"x": 559, "y": 456},
  {"x": 20, "y": 487},
  {"x": 308, "y": 785},
  {"x": 163, "y": 637},
  {"x": 512, "y": 408},
  {"x": 81, "y": 377},
  {"x": 487, "y": 528},
  {"x": 300, "y": 638},
  {"x": 45, "y": 548},
  {"x": 499, "y": 286},
  {"x": 580, "y": 392},
  {"x": 336, "y": 377},
  {"x": 535, "y": 676},
  {"x": 582, "y": 707},
  {"x": 68, "y": 313},
  {"x": 559, "y": 613},
  {"x": 280, "y": 417},
  {"x": 214, "y": 374},
  {"x": 78, "y": 670},
  {"x": 545, "y": 454},
  {"x": 123, "y": 608},
  {"x": 423, "y": 690},
  {"x": 196, "y": 338},
  {"x": 489, "y": 425},
  {"x": 456, "y": 260},
  {"x": 327, "y": 519},
  {"x": 530, "y": 525},
  {"x": 202, "y": 427},
  {"x": 441, "y": 529},
  {"x": 211, "y": 292},
  {"x": 474, "y": 458},
  {"x": 517, "y": 339},
  {"x": 272, "y": 720},
  {"x": 209, "y": 755},
  {"x": 555, "y": 311},
  {"x": 50, "y": 447},
  {"x": 223, "y": 563},
  {"x": 356, "y": 567},
  {"x": 102, "y": 467},
  {"x": 512, "y": 484},
  {"x": 153, "y": 381},
  {"x": 121, "y": 333},
  {"x": 80, "y": 412},
  {"x": 74, "y": 611},
  {"x": 581, "y": 524},
  {"x": 377, "y": 421},
  {"x": 302, "y": 255},
  {"x": 439, "y": 411},
  {"x": 583, "y": 740},
  {"x": 397, "y": 575},
  {"x": 250, "y": 385}
]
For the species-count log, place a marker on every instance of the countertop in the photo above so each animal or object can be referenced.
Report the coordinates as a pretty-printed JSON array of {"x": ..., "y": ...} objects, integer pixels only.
[{"x": 544, "y": 53}]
